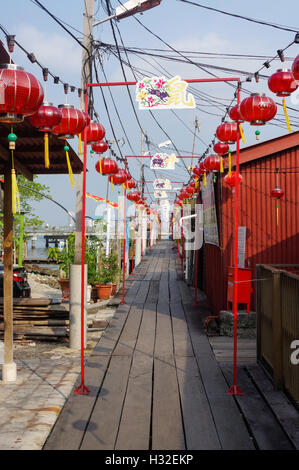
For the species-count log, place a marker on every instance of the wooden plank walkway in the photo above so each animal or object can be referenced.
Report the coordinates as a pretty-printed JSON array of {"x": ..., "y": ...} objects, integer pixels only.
[{"x": 156, "y": 384}]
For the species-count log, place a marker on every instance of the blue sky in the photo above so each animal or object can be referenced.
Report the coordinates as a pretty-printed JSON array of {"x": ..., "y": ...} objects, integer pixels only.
[{"x": 183, "y": 26}]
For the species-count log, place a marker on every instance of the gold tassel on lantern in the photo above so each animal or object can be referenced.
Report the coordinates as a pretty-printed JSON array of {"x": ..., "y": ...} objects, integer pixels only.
[
  {"x": 242, "y": 134},
  {"x": 71, "y": 175},
  {"x": 229, "y": 163},
  {"x": 196, "y": 183},
  {"x": 204, "y": 179},
  {"x": 111, "y": 181},
  {"x": 15, "y": 192},
  {"x": 46, "y": 148},
  {"x": 221, "y": 164},
  {"x": 80, "y": 144},
  {"x": 14, "y": 186},
  {"x": 286, "y": 115},
  {"x": 277, "y": 212},
  {"x": 100, "y": 163}
]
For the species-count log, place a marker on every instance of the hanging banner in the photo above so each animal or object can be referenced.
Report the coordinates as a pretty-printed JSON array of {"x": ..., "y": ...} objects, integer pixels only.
[
  {"x": 210, "y": 225},
  {"x": 160, "y": 195},
  {"x": 163, "y": 161},
  {"x": 100, "y": 199},
  {"x": 160, "y": 93},
  {"x": 162, "y": 184}
]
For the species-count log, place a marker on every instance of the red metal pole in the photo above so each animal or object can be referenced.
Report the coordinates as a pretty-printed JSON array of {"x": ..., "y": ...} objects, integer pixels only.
[
  {"x": 124, "y": 250},
  {"x": 82, "y": 389},
  {"x": 234, "y": 389},
  {"x": 133, "y": 257}
]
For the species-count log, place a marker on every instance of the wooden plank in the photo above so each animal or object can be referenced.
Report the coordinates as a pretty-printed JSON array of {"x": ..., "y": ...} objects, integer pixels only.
[
  {"x": 230, "y": 425},
  {"x": 142, "y": 293},
  {"x": 70, "y": 426},
  {"x": 128, "y": 337},
  {"x": 283, "y": 409},
  {"x": 264, "y": 426},
  {"x": 181, "y": 338},
  {"x": 29, "y": 302},
  {"x": 164, "y": 338},
  {"x": 153, "y": 292},
  {"x": 134, "y": 429},
  {"x": 167, "y": 426},
  {"x": 101, "y": 431},
  {"x": 200, "y": 430},
  {"x": 109, "y": 338}
]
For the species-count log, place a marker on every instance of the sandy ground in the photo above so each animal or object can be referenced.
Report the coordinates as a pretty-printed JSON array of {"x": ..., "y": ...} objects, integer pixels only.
[{"x": 39, "y": 290}]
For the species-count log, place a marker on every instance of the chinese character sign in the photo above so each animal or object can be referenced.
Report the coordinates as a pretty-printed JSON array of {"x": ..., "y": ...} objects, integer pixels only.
[
  {"x": 160, "y": 194},
  {"x": 163, "y": 161},
  {"x": 162, "y": 184},
  {"x": 160, "y": 93}
]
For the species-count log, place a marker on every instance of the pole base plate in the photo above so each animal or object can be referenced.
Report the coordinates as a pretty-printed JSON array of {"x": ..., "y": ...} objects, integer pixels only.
[
  {"x": 195, "y": 303},
  {"x": 123, "y": 302},
  {"x": 81, "y": 390},
  {"x": 234, "y": 390}
]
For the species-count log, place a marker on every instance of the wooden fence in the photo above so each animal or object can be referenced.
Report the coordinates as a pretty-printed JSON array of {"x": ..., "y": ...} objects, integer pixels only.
[{"x": 278, "y": 323}]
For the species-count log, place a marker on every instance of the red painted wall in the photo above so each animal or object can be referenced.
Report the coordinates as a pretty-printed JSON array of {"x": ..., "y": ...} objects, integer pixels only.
[{"x": 265, "y": 242}]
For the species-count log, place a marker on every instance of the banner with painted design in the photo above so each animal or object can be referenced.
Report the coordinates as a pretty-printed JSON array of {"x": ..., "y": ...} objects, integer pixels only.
[
  {"x": 210, "y": 225},
  {"x": 162, "y": 184},
  {"x": 159, "y": 93},
  {"x": 163, "y": 161},
  {"x": 160, "y": 195}
]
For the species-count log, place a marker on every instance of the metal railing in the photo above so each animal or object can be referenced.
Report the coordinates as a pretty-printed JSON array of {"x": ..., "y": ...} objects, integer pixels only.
[{"x": 278, "y": 323}]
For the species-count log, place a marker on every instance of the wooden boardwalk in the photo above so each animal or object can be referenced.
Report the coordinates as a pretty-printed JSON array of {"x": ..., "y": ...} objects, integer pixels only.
[{"x": 156, "y": 384}]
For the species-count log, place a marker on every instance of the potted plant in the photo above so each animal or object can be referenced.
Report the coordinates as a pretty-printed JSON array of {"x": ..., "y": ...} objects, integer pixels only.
[
  {"x": 65, "y": 257},
  {"x": 114, "y": 271},
  {"x": 104, "y": 280}
]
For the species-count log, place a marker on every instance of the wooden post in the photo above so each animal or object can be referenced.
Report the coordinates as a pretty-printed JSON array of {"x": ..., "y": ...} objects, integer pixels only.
[
  {"x": 9, "y": 371},
  {"x": 277, "y": 331}
]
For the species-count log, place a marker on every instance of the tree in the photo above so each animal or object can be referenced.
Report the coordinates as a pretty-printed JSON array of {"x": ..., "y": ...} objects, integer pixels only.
[
  {"x": 29, "y": 191},
  {"x": 27, "y": 197}
]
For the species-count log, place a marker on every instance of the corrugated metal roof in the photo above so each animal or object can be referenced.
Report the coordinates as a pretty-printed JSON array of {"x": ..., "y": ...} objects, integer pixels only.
[{"x": 268, "y": 147}]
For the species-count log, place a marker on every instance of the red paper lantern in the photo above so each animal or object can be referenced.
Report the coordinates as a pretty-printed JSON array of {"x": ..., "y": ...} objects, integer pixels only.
[
  {"x": 190, "y": 190},
  {"x": 277, "y": 193},
  {"x": 258, "y": 109},
  {"x": 235, "y": 114},
  {"x": 295, "y": 68},
  {"x": 108, "y": 165},
  {"x": 134, "y": 196},
  {"x": 87, "y": 118},
  {"x": 228, "y": 132},
  {"x": 119, "y": 178},
  {"x": 94, "y": 132},
  {"x": 231, "y": 179},
  {"x": 21, "y": 93},
  {"x": 183, "y": 195},
  {"x": 221, "y": 148},
  {"x": 131, "y": 183},
  {"x": 212, "y": 163},
  {"x": 100, "y": 147},
  {"x": 282, "y": 82},
  {"x": 72, "y": 123},
  {"x": 197, "y": 172},
  {"x": 47, "y": 117}
]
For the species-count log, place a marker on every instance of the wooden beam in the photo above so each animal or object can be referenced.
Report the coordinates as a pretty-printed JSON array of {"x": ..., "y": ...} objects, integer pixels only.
[
  {"x": 8, "y": 268},
  {"x": 4, "y": 155}
]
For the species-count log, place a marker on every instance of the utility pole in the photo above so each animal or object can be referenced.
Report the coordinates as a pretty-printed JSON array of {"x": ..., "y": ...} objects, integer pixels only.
[{"x": 75, "y": 269}]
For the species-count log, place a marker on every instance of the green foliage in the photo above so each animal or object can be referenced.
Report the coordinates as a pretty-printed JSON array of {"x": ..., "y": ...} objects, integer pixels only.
[
  {"x": 66, "y": 256},
  {"x": 27, "y": 197}
]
